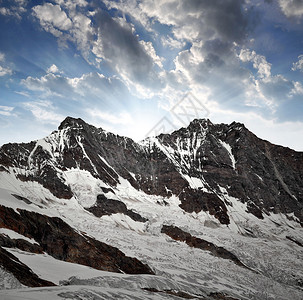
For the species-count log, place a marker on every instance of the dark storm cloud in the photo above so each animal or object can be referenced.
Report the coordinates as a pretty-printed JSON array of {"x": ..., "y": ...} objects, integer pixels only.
[
  {"x": 227, "y": 19},
  {"x": 126, "y": 54},
  {"x": 215, "y": 29}
]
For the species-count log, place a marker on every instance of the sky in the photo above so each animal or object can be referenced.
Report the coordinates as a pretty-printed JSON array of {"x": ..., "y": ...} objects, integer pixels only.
[{"x": 140, "y": 68}]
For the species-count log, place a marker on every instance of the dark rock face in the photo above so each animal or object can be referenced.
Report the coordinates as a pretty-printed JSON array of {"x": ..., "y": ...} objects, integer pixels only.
[
  {"x": 268, "y": 178},
  {"x": 265, "y": 176},
  {"x": 105, "y": 206},
  {"x": 192, "y": 241},
  {"x": 221, "y": 296},
  {"x": 22, "y": 272},
  {"x": 61, "y": 241},
  {"x": 21, "y": 244},
  {"x": 195, "y": 201}
]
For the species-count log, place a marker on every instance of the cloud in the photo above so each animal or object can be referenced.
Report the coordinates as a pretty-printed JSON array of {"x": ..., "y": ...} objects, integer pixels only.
[
  {"x": 292, "y": 8},
  {"x": 276, "y": 92},
  {"x": 118, "y": 45},
  {"x": 123, "y": 118},
  {"x": 44, "y": 111},
  {"x": 15, "y": 9},
  {"x": 227, "y": 20},
  {"x": 109, "y": 39},
  {"x": 93, "y": 88},
  {"x": 6, "y": 110},
  {"x": 259, "y": 62},
  {"x": 53, "y": 69},
  {"x": 277, "y": 88},
  {"x": 4, "y": 70},
  {"x": 72, "y": 4},
  {"x": 150, "y": 50},
  {"x": 214, "y": 65},
  {"x": 299, "y": 64},
  {"x": 52, "y": 18},
  {"x": 50, "y": 84},
  {"x": 212, "y": 30},
  {"x": 168, "y": 41}
]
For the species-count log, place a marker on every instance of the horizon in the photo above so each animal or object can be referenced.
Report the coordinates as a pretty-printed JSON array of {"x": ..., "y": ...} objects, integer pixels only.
[
  {"x": 138, "y": 141},
  {"x": 136, "y": 68}
]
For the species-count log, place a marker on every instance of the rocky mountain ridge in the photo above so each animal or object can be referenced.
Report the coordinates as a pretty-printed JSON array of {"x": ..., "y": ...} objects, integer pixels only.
[
  {"x": 200, "y": 163},
  {"x": 88, "y": 197}
]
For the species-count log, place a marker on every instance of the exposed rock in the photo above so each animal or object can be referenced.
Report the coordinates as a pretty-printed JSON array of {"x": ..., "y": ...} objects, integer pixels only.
[
  {"x": 107, "y": 190},
  {"x": 268, "y": 178},
  {"x": 295, "y": 241},
  {"x": 192, "y": 241},
  {"x": 221, "y": 296},
  {"x": 22, "y": 272},
  {"x": 25, "y": 200},
  {"x": 21, "y": 244},
  {"x": 196, "y": 200},
  {"x": 105, "y": 206},
  {"x": 62, "y": 242}
]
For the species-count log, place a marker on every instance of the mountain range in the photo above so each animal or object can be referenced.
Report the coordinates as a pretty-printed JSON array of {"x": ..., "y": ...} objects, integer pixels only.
[{"x": 209, "y": 211}]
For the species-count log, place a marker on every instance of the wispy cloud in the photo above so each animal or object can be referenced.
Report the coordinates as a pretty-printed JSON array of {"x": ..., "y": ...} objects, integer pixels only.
[
  {"x": 4, "y": 70},
  {"x": 6, "y": 110},
  {"x": 123, "y": 118},
  {"x": 44, "y": 111}
]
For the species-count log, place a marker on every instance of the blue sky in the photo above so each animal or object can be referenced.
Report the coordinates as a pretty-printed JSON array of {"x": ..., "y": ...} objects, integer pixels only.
[{"x": 138, "y": 68}]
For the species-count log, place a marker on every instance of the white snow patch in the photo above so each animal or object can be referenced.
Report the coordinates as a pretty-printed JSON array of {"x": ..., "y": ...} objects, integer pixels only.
[
  {"x": 196, "y": 183},
  {"x": 49, "y": 268},
  {"x": 261, "y": 179},
  {"x": 84, "y": 186},
  {"x": 229, "y": 150},
  {"x": 15, "y": 235}
]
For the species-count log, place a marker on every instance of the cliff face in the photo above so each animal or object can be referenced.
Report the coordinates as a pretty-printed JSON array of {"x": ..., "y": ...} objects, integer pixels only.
[{"x": 202, "y": 164}]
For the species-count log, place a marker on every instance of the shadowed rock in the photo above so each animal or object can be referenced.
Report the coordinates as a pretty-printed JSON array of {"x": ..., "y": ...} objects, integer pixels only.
[
  {"x": 192, "y": 241},
  {"x": 22, "y": 272},
  {"x": 62, "y": 242},
  {"x": 107, "y": 207}
]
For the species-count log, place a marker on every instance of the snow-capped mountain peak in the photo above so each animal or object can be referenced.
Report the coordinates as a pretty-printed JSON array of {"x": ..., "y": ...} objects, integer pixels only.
[{"x": 184, "y": 186}]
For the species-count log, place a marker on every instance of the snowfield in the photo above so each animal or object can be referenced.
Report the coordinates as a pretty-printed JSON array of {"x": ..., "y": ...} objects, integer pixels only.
[{"x": 261, "y": 245}]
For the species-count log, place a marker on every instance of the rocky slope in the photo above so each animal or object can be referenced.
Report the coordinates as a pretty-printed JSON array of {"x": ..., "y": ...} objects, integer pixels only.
[
  {"x": 199, "y": 163},
  {"x": 83, "y": 194}
]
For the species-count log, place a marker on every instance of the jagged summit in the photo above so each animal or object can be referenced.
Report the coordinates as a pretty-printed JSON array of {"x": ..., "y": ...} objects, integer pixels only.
[
  {"x": 71, "y": 122},
  {"x": 198, "y": 161}
]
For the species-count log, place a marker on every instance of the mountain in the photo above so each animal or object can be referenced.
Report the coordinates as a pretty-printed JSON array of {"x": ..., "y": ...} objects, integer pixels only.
[{"x": 207, "y": 212}]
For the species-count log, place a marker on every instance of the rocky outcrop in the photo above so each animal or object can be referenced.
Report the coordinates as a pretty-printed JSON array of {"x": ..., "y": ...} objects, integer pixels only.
[
  {"x": 228, "y": 160},
  {"x": 105, "y": 206},
  {"x": 192, "y": 241},
  {"x": 61, "y": 241},
  {"x": 197, "y": 200},
  {"x": 265, "y": 176},
  {"x": 22, "y": 272},
  {"x": 21, "y": 244}
]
